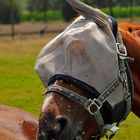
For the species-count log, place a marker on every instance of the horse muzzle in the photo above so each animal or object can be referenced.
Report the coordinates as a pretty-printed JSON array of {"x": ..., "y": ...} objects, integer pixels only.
[{"x": 58, "y": 129}]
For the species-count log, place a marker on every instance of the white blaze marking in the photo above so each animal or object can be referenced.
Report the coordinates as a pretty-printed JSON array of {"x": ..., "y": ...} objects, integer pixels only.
[{"x": 46, "y": 102}]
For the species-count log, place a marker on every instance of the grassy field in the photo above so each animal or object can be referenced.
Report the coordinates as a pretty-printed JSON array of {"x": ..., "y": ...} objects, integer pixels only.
[{"x": 20, "y": 86}]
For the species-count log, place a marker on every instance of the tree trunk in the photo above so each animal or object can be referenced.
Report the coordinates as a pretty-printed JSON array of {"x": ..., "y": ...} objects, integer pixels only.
[
  {"x": 12, "y": 19},
  {"x": 131, "y": 9},
  {"x": 111, "y": 7}
]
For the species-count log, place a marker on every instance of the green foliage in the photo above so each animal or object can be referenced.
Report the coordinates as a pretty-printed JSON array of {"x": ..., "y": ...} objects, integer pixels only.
[
  {"x": 124, "y": 12},
  {"x": 39, "y": 16},
  {"x": 67, "y": 15},
  {"x": 6, "y": 8},
  {"x": 38, "y": 5},
  {"x": 68, "y": 12},
  {"x": 121, "y": 12},
  {"x": 43, "y": 10}
]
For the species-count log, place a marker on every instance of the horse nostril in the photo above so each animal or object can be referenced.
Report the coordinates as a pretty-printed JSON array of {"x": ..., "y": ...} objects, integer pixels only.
[{"x": 61, "y": 124}]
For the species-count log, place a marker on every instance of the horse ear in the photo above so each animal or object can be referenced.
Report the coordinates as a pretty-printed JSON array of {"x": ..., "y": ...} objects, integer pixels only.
[{"x": 87, "y": 11}]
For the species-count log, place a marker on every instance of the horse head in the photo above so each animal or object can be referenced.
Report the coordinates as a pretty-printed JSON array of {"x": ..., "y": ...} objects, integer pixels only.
[
  {"x": 64, "y": 119},
  {"x": 86, "y": 77}
]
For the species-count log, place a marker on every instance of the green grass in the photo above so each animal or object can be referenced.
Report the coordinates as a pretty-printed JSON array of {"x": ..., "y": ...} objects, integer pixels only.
[
  {"x": 129, "y": 129},
  {"x": 20, "y": 86}
]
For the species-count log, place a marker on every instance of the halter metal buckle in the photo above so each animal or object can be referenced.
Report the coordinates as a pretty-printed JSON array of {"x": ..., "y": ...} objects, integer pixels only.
[
  {"x": 127, "y": 97},
  {"x": 121, "y": 49},
  {"x": 93, "y": 106},
  {"x": 123, "y": 75},
  {"x": 109, "y": 130}
]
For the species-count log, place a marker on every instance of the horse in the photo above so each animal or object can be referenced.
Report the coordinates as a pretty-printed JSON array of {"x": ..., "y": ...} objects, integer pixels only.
[
  {"x": 76, "y": 105},
  {"x": 16, "y": 124}
]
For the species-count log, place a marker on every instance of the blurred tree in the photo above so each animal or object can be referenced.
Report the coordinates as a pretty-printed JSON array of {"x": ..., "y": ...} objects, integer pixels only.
[
  {"x": 89, "y": 2},
  {"x": 5, "y": 12},
  {"x": 68, "y": 12},
  {"x": 39, "y": 6},
  {"x": 11, "y": 2},
  {"x": 111, "y": 5},
  {"x": 44, "y": 8},
  {"x": 36, "y": 5},
  {"x": 131, "y": 3},
  {"x": 56, "y": 4}
]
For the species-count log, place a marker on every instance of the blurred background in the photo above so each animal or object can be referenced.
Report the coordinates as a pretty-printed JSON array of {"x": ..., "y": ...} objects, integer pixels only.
[
  {"x": 25, "y": 27},
  {"x": 15, "y": 12}
]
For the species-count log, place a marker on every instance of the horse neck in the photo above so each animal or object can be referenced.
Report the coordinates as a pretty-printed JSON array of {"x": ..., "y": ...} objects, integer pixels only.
[
  {"x": 132, "y": 44},
  {"x": 133, "y": 47}
]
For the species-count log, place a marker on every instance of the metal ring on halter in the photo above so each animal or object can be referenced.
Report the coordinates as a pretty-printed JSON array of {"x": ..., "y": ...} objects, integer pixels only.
[
  {"x": 93, "y": 106},
  {"x": 123, "y": 75},
  {"x": 121, "y": 49}
]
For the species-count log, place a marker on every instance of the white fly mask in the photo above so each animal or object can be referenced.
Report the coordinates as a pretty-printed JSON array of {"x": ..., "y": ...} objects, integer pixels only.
[{"x": 86, "y": 50}]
